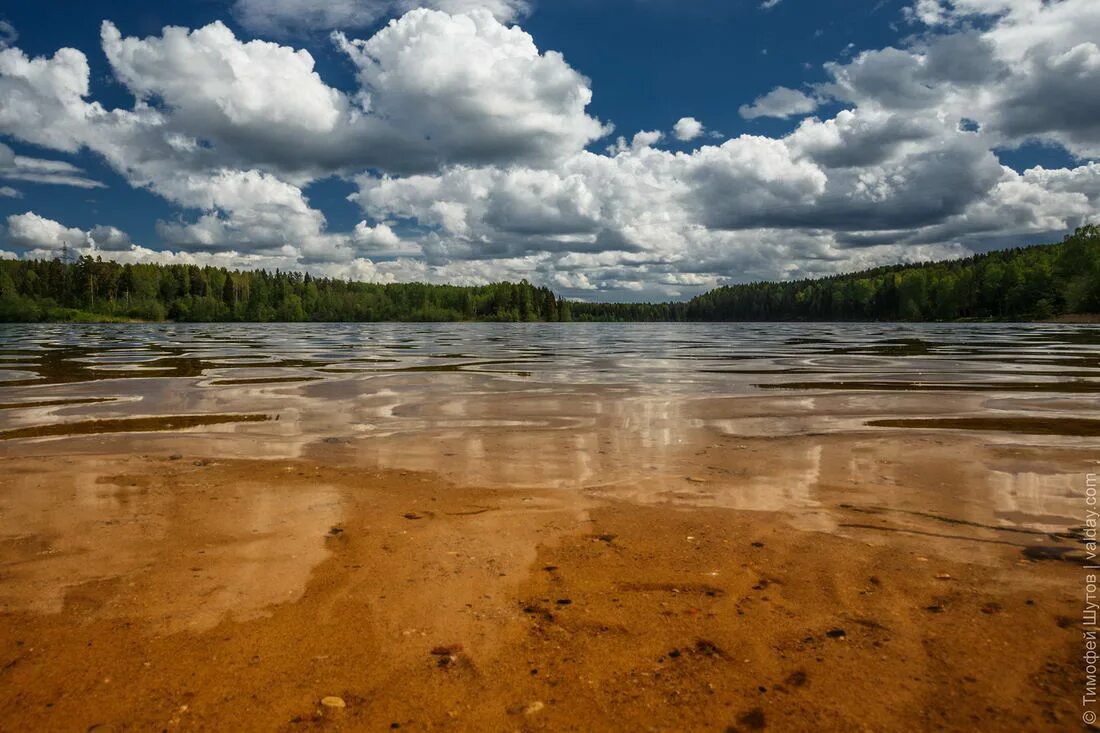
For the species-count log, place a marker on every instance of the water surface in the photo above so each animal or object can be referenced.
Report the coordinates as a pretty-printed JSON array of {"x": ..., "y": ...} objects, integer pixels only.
[
  {"x": 729, "y": 357},
  {"x": 991, "y": 423}
]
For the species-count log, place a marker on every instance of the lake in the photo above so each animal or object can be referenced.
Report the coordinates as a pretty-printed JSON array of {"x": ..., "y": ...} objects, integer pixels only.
[
  {"x": 582, "y": 508},
  {"x": 546, "y": 394}
]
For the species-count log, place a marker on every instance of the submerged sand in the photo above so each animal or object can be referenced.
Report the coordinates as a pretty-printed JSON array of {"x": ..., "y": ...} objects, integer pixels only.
[{"x": 157, "y": 591}]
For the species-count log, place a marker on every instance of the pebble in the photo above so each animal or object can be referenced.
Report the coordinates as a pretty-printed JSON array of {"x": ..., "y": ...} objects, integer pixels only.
[
  {"x": 333, "y": 702},
  {"x": 533, "y": 708}
]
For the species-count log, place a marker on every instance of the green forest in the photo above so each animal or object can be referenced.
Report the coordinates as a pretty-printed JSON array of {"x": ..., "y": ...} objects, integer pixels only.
[
  {"x": 96, "y": 290},
  {"x": 1027, "y": 283},
  {"x": 1022, "y": 284}
]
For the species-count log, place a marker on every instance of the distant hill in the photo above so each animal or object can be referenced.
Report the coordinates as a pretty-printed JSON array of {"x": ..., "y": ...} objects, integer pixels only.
[{"x": 1027, "y": 283}]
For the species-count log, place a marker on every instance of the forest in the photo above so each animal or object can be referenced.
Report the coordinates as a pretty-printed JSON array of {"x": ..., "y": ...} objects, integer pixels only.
[
  {"x": 1022, "y": 284},
  {"x": 1026, "y": 283},
  {"x": 97, "y": 290}
]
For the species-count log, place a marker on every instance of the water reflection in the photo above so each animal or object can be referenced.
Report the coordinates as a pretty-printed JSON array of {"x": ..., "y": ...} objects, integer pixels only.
[
  {"x": 603, "y": 353},
  {"x": 650, "y": 412},
  {"x": 72, "y": 539},
  {"x": 130, "y": 425}
]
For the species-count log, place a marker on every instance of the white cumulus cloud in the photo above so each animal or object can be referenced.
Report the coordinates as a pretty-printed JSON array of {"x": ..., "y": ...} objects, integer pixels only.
[
  {"x": 688, "y": 128},
  {"x": 779, "y": 102}
]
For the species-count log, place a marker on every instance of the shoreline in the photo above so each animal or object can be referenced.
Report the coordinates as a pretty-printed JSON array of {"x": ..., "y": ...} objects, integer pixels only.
[{"x": 1069, "y": 318}]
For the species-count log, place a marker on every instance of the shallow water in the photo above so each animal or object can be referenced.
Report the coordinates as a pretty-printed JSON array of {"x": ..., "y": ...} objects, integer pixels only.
[
  {"x": 870, "y": 507},
  {"x": 986, "y": 423}
]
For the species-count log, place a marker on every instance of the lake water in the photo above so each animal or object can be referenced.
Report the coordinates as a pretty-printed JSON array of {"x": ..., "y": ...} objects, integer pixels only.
[
  {"x": 791, "y": 417},
  {"x": 543, "y": 512},
  {"x": 726, "y": 357}
]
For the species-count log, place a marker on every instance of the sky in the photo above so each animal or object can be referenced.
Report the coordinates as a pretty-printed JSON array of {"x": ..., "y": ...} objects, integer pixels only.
[{"x": 614, "y": 150}]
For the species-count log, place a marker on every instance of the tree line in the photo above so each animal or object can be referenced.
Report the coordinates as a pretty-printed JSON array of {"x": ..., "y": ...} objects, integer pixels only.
[
  {"x": 1022, "y": 284},
  {"x": 1027, "y": 283},
  {"x": 94, "y": 289}
]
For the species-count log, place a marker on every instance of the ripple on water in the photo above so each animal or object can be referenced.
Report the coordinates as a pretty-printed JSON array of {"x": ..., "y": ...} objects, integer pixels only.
[{"x": 128, "y": 425}]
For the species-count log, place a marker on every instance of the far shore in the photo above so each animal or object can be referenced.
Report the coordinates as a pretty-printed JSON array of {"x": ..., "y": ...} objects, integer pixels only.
[{"x": 92, "y": 318}]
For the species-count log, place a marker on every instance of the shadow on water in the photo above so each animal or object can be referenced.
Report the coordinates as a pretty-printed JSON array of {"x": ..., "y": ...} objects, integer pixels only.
[
  {"x": 129, "y": 425},
  {"x": 261, "y": 380},
  {"x": 1074, "y": 386},
  {"x": 54, "y": 403},
  {"x": 893, "y": 347},
  {"x": 71, "y": 364},
  {"x": 1071, "y": 426}
]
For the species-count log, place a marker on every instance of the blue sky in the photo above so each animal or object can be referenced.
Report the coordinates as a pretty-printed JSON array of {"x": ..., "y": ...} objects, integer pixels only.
[{"x": 877, "y": 160}]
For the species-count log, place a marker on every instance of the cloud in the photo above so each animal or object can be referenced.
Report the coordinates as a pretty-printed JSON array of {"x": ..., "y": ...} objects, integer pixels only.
[
  {"x": 474, "y": 154},
  {"x": 32, "y": 231},
  {"x": 43, "y": 238},
  {"x": 435, "y": 89},
  {"x": 687, "y": 129},
  {"x": 1040, "y": 200},
  {"x": 769, "y": 4},
  {"x": 637, "y": 205},
  {"x": 44, "y": 98},
  {"x": 109, "y": 239},
  {"x": 9, "y": 192},
  {"x": 293, "y": 17},
  {"x": 215, "y": 84},
  {"x": 380, "y": 236},
  {"x": 38, "y": 170},
  {"x": 861, "y": 138},
  {"x": 235, "y": 128},
  {"x": 8, "y": 34},
  {"x": 46, "y": 237},
  {"x": 779, "y": 102},
  {"x": 1053, "y": 101},
  {"x": 861, "y": 189},
  {"x": 246, "y": 210},
  {"x": 1029, "y": 74},
  {"x": 752, "y": 181},
  {"x": 476, "y": 90},
  {"x": 641, "y": 139}
]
